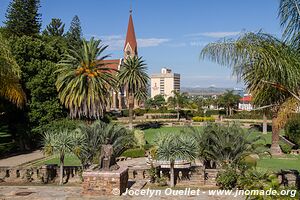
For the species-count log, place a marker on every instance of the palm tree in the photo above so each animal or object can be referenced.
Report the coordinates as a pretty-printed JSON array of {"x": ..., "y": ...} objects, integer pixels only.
[
  {"x": 10, "y": 72},
  {"x": 289, "y": 13},
  {"x": 178, "y": 101},
  {"x": 265, "y": 64},
  {"x": 99, "y": 133},
  {"x": 83, "y": 82},
  {"x": 134, "y": 77},
  {"x": 172, "y": 147},
  {"x": 229, "y": 100},
  {"x": 62, "y": 142}
]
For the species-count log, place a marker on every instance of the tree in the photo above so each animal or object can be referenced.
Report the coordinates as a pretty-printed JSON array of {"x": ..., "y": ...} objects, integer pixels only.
[
  {"x": 22, "y": 17},
  {"x": 156, "y": 102},
  {"x": 229, "y": 100},
  {"x": 62, "y": 142},
  {"x": 265, "y": 64},
  {"x": 178, "y": 101},
  {"x": 172, "y": 147},
  {"x": 99, "y": 133},
  {"x": 289, "y": 13},
  {"x": 37, "y": 58},
  {"x": 55, "y": 28},
  {"x": 83, "y": 82},
  {"x": 74, "y": 35},
  {"x": 134, "y": 77},
  {"x": 10, "y": 87}
]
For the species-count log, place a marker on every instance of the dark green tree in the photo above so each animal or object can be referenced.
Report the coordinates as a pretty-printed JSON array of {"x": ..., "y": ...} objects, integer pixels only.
[
  {"x": 55, "y": 28},
  {"x": 74, "y": 35},
  {"x": 156, "y": 102},
  {"x": 229, "y": 101},
  {"x": 37, "y": 58},
  {"x": 22, "y": 17}
]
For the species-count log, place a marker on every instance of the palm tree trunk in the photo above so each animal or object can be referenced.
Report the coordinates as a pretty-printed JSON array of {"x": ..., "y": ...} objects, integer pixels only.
[
  {"x": 61, "y": 170},
  {"x": 172, "y": 174},
  {"x": 275, "y": 148},
  {"x": 178, "y": 113},
  {"x": 265, "y": 125},
  {"x": 130, "y": 114}
]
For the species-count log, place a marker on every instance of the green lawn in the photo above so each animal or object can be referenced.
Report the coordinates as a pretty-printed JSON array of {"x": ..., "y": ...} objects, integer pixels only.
[
  {"x": 152, "y": 134},
  {"x": 277, "y": 163},
  {"x": 70, "y": 160}
]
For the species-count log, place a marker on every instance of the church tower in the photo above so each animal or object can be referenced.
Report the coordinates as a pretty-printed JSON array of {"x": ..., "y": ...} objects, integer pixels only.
[{"x": 130, "y": 47}]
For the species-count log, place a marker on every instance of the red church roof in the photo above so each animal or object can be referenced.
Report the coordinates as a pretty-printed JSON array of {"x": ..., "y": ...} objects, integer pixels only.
[
  {"x": 245, "y": 99},
  {"x": 113, "y": 64},
  {"x": 130, "y": 36}
]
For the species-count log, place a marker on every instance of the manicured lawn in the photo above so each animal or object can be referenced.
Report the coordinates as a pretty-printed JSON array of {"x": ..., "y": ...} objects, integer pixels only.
[
  {"x": 277, "y": 163},
  {"x": 152, "y": 134},
  {"x": 70, "y": 160}
]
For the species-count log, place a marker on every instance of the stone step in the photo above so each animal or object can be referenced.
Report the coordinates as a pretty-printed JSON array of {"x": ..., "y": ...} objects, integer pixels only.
[{"x": 139, "y": 184}]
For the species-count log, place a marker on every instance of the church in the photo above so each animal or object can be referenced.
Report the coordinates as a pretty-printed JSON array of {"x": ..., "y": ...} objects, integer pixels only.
[{"x": 118, "y": 98}]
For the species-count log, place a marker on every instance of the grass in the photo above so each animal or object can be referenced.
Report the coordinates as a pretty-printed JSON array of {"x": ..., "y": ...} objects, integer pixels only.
[
  {"x": 70, "y": 160},
  {"x": 278, "y": 163},
  {"x": 152, "y": 134}
]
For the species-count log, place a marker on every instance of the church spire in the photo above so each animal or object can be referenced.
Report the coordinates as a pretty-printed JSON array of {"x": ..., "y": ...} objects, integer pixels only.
[{"x": 130, "y": 47}]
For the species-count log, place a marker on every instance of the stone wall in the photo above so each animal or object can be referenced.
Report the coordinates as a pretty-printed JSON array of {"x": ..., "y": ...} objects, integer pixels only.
[
  {"x": 105, "y": 182},
  {"x": 43, "y": 174}
]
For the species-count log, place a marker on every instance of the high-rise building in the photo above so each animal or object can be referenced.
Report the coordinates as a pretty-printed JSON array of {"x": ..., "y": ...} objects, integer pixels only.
[{"x": 165, "y": 83}]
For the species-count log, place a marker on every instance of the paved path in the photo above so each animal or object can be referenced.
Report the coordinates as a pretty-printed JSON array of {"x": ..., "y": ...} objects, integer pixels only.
[
  {"x": 74, "y": 193},
  {"x": 21, "y": 159}
]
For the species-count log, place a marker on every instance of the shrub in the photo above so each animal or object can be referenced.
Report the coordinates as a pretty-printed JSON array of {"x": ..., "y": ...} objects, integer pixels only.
[
  {"x": 139, "y": 112},
  {"x": 139, "y": 136},
  {"x": 292, "y": 129},
  {"x": 147, "y": 146},
  {"x": 285, "y": 147},
  {"x": 203, "y": 119},
  {"x": 247, "y": 115},
  {"x": 134, "y": 153},
  {"x": 227, "y": 179}
]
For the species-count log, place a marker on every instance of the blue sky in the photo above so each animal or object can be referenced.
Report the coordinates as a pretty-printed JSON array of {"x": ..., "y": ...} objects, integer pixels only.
[{"x": 171, "y": 33}]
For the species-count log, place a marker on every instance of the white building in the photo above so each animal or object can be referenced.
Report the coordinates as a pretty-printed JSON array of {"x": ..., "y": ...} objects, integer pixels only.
[
  {"x": 245, "y": 103},
  {"x": 164, "y": 83}
]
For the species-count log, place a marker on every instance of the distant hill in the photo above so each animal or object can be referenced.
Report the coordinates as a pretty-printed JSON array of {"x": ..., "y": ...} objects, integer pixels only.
[{"x": 204, "y": 91}]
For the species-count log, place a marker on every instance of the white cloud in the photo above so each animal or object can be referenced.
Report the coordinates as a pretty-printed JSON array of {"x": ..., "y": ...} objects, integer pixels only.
[
  {"x": 214, "y": 34},
  {"x": 151, "y": 42},
  {"x": 116, "y": 42}
]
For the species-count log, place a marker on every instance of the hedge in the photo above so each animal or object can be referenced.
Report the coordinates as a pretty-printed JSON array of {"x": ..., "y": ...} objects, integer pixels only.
[
  {"x": 203, "y": 119},
  {"x": 134, "y": 153}
]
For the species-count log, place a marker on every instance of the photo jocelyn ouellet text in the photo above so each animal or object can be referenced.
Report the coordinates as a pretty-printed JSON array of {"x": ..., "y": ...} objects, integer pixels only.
[{"x": 196, "y": 192}]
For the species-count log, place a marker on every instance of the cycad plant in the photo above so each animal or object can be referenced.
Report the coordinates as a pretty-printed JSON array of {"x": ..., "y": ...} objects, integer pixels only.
[
  {"x": 10, "y": 73},
  {"x": 83, "y": 81},
  {"x": 225, "y": 145},
  {"x": 133, "y": 76},
  {"x": 99, "y": 133},
  {"x": 172, "y": 147}
]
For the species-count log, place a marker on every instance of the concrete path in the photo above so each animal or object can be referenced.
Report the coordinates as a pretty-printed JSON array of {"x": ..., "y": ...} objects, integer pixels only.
[
  {"x": 21, "y": 159},
  {"x": 74, "y": 193}
]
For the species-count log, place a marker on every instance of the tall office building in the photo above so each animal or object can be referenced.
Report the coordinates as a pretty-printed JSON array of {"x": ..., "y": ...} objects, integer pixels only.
[{"x": 164, "y": 83}]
